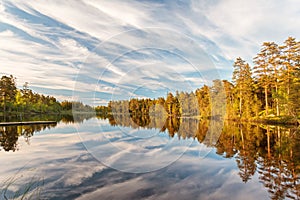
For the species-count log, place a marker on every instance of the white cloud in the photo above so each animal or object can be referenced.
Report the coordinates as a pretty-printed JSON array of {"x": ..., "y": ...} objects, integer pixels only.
[
  {"x": 134, "y": 14},
  {"x": 242, "y": 26},
  {"x": 6, "y": 33},
  {"x": 2, "y": 8},
  {"x": 72, "y": 50},
  {"x": 48, "y": 52}
]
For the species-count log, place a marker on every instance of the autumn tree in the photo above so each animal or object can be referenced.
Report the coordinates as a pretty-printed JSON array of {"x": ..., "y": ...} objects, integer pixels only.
[
  {"x": 290, "y": 75},
  {"x": 242, "y": 78},
  {"x": 262, "y": 73},
  {"x": 218, "y": 99},
  {"x": 204, "y": 101},
  {"x": 8, "y": 91},
  {"x": 273, "y": 53},
  {"x": 172, "y": 105},
  {"x": 230, "y": 98}
]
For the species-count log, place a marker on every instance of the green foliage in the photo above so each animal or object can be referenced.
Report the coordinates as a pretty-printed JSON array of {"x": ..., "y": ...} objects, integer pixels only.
[
  {"x": 13, "y": 100},
  {"x": 8, "y": 92},
  {"x": 276, "y": 71},
  {"x": 243, "y": 88},
  {"x": 24, "y": 100}
]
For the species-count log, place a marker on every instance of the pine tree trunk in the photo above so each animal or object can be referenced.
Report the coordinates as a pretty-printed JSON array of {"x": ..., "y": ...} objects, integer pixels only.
[
  {"x": 4, "y": 104},
  {"x": 240, "y": 105},
  {"x": 288, "y": 94},
  {"x": 277, "y": 103},
  {"x": 266, "y": 100},
  {"x": 268, "y": 142}
]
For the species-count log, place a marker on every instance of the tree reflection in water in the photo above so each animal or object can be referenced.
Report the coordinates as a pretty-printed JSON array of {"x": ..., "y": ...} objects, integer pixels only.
[
  {"x": 9, "y": 135},
  {"x": 273, "y": 152}
]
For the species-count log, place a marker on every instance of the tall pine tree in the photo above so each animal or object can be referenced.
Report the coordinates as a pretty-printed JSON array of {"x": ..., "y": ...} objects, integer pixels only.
[{"x": 242, "y": 78}]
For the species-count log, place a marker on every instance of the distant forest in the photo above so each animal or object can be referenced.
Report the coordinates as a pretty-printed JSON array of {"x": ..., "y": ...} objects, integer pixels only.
[
  {"x": 268, "y": 90},
  {"x": 14, "y": 100}
]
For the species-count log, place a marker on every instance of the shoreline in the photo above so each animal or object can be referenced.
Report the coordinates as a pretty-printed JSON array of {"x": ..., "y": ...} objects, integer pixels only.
[{"x": 26, "y": 123}]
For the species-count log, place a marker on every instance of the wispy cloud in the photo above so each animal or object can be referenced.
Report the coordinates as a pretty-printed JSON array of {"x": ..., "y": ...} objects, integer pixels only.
[{"x": 104, "y": 45}]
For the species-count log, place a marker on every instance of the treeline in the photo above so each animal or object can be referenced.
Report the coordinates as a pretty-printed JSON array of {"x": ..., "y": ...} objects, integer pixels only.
[
  {"x": 14, "y": 100},
  {"x": 179, "y": 104},
  {"x": 268, "y": 89}
]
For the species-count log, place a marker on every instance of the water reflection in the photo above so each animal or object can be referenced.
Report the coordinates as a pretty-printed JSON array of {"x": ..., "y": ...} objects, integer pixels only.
[
  {"x": 271, "y": 152},
  {"x": 9, "y": 135},
  {"x": 66, "y": 118}
]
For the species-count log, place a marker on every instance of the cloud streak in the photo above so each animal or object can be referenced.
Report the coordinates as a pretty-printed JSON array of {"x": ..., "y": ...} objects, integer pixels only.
[{"x": 51, "y": 43}]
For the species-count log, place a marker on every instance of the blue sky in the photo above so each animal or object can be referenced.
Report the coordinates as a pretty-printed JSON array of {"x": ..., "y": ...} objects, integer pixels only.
[{"x": 95, "y": 51}]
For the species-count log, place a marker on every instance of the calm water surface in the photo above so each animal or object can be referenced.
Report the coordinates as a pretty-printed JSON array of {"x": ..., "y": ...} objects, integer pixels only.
[{"x": 125, "y": 158}]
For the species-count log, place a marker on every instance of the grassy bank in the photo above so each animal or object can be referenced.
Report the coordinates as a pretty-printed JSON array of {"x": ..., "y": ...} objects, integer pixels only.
[{"x": 272, "y": 120}]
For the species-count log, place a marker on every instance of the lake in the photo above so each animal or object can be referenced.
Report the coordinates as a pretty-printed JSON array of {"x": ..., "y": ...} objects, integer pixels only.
[{"x": 122, "y": 157}]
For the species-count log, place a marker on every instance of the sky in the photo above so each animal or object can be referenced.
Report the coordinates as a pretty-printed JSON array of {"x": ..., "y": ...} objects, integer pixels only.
[{"x": 96, "y": 51}]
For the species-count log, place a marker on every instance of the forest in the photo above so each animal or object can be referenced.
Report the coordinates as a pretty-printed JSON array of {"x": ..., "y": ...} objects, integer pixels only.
[
  {"x": 16, "y": 101},
  {"x": 265, "y": 92}
]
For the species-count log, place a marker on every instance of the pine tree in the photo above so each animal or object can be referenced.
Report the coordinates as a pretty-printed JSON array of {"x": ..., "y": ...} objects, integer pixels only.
[
  {"x": 290, "y": 74},
  {"x": 242, "y": 78},
  {"x": 8, "y": 91},
  {"x": 204, "y": 101},
  {"x": 274, "y": 62},
  {"x": 262, "y": 73},
  {"x": 229, "y": 91},
  {"x": 168, "y": 103}
]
